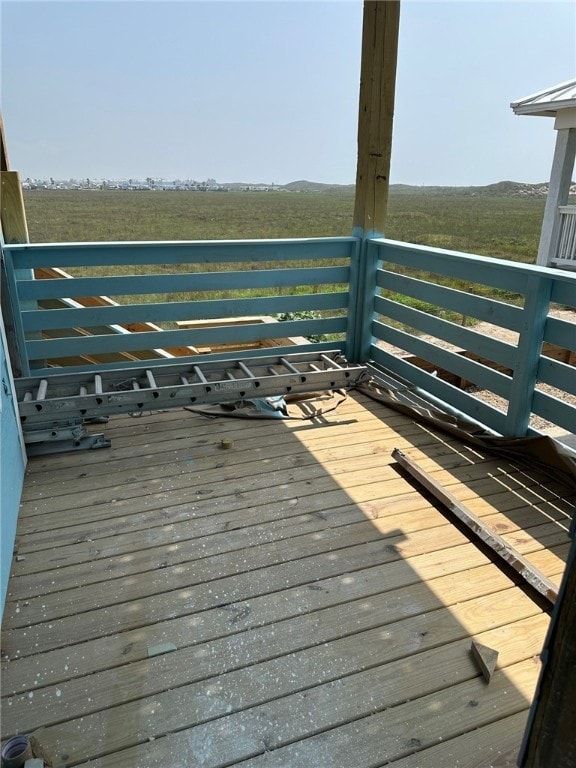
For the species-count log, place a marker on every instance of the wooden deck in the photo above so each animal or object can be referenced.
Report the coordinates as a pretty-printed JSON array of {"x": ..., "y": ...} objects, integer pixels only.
[{"x": 318, "y": 608}]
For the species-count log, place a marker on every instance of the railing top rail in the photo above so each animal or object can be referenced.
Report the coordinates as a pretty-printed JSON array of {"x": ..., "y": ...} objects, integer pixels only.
[
  {"x": 488, "y": 261},
  {"x": 33, "y": 255},
  {"x": 288, "y": 241}
]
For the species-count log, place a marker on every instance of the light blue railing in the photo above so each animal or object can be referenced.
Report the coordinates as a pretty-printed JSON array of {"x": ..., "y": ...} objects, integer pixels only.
[
  {"x": 306, "y": 280},
  {"x": 406, "y": 314},
  {"x": 377, "y": 300}
]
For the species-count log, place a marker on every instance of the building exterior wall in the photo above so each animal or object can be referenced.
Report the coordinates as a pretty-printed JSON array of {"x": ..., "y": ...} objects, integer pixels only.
[{"x": 12, "y": 467}]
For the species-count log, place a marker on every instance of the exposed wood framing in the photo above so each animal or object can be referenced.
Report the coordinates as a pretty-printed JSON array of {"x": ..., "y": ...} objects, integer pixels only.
[
  {"x": 12, "y": 211},
  {"x": 14, "y": 229},
  {"x": 376, "y": 110},
  {"x": 13, "y": 214},
  {"x": 535, "y": 578}
]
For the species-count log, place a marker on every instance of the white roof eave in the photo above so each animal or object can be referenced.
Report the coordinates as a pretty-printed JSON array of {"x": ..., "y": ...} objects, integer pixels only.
[{"x": 549, "y": 102}]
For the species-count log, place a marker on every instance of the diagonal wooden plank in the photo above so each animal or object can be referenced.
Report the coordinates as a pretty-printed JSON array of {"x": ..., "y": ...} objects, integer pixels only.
[{"x": 505, "y": 551}]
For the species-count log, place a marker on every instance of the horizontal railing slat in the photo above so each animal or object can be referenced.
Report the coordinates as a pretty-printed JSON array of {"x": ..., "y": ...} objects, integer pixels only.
[
  {"x": 53, "y": 348},
  {"x": 497, "y": 351},
  {"x": 135, "y": 285},
  {"x": 459, "y": 365},
  {"x": 88, "y": 317},
  {"x": 467, "y": 304},
  {"x": 563, "y": 293},
  {"x": 179, "y": 252},
  {"x": 322, "y": 346},
  {"x": 560, "y": 332},
  {"x": 475, "y": 269},
  {"x": 557, "y": 374},
  {"x": 457, "y": 399},
  {"x": 552, "y": 409}
]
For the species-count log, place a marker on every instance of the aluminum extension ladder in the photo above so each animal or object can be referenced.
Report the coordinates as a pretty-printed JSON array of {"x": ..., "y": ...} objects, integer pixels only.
[{"x": 55, "y": 409}]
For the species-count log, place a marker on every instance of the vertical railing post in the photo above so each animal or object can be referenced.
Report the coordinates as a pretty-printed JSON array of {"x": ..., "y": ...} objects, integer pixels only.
[
  {"x": 11, "y": 312},
  {"x": 536, "y": 306},
  {"x": 380, "y": 26},
  {"x": 362, "y": 291},
  {"x": 353, "y": 293}
]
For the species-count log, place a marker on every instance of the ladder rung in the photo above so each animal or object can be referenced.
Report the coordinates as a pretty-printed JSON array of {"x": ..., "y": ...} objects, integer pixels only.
[
  {"x": 288, "y": 365},
  {"x": 246, "y": 370},
  {"x": 330, "y": 363},
  {"x": 200, "y": 375},
  {"x": 151, "y": 379},
  {"x": 42, "y": 388}
]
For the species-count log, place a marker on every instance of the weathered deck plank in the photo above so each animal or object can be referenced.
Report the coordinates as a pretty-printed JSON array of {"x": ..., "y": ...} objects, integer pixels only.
[
  {"x": 105, "y": 653},
  {"x": 500, "y": 749},
  {"x": 309, "y": 590},
  {"x": 187, "y": 705},
  {"x": 390, "y": 734},
  {"x": 351, "y": 622}
]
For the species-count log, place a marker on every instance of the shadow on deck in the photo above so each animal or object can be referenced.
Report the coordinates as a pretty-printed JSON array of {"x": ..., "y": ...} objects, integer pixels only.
[{"x": 317, "y": 609}]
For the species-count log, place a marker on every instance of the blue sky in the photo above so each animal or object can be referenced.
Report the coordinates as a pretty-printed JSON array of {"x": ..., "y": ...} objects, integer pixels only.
[{"x": 268, "y": 91}]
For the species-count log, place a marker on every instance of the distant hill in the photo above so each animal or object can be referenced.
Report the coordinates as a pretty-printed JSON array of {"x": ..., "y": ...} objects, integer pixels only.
[
  {"x": 316, "y": 186},
  {"x": 499, "y": 189}
]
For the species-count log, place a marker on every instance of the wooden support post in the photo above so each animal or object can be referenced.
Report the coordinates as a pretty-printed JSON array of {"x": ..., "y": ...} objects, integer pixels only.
[
  {"x": 13, "y": 229},
  {"x": 3, "y": 151},
  {"x": 12, "y": 211},
  {"x": 381, "y": 23},
  {"x": 549, "y": 738},
  {"x": 376, "y": 110}
]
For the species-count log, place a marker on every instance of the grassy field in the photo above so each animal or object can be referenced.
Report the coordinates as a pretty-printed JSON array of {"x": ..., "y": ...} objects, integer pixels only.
[{"x": 504, "y": 227}]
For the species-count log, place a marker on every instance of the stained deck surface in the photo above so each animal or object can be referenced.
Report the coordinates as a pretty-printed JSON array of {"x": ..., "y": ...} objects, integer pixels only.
[{"x": 318, "y": 608}]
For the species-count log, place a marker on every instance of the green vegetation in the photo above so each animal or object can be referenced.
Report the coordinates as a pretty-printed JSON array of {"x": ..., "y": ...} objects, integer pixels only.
[
  {"x": 63, "y": 215},
  {"x": 502, "y": 227},
  {"x": 499, "y": 226}
]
